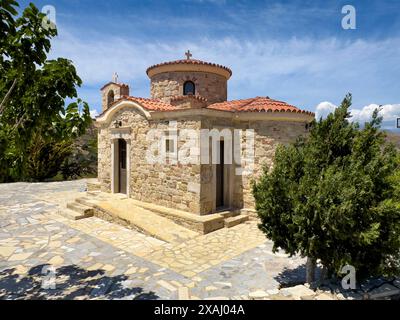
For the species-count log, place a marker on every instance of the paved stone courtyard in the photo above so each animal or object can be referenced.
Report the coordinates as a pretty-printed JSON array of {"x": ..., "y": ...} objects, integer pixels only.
[{"x": 95, "y": 259}]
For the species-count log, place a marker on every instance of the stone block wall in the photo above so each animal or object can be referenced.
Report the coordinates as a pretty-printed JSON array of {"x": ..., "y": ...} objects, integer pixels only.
[
  {"x": 189, "y": 102},
  {"x": 172, "y": 185},
  {"x": 208, "y": 188},
  {"x": 268, "y": 135},
  {"x": 191, "y": 187},
  {"x": 211, "y": 86},
  {"x": 104, "y": 159},
  {"x": 119, "y": 91}
]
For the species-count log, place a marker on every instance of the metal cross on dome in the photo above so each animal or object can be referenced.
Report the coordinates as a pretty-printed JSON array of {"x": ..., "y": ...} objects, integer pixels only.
[{"x": 188, "y": 55}]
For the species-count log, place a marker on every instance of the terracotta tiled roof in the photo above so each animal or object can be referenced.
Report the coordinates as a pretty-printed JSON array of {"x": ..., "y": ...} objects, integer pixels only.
[
  {"x": 196, "y": 97},
  {"x": 148, "y": 104},
  {"x": 189, "y": 61},
  {"x": 258, "y": 104}
]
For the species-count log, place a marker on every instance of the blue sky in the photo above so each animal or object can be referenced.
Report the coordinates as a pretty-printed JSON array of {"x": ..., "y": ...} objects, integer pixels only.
[{"x": 294, "y": 51}]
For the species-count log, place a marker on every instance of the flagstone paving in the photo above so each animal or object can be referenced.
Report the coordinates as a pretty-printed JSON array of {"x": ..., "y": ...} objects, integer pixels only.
[{"x": 96, "y": 259}]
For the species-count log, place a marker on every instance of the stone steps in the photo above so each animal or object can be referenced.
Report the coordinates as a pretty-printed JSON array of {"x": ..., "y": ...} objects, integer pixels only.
[
  {"x": 201, "y": 224},
  {"x": 98, "y": 203},
  {"x": 84, "y": 201},
  {"x": 82, "y": 211},
  {"x": 93, "y": 185},
  {"x": 71, "y": 214},
  {"x": 235, "y": 220},
  {"x": 93, "y": 193},
  {"x": 229, "y": 214},
  {"x": 126, "y": 212}
]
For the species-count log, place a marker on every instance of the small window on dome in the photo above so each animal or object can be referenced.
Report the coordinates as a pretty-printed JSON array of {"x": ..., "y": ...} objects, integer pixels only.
[{"x": 188, "y": 88}]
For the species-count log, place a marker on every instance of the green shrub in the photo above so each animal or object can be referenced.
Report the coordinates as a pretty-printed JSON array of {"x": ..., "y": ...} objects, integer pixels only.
[{"x": 335, "y": 197}]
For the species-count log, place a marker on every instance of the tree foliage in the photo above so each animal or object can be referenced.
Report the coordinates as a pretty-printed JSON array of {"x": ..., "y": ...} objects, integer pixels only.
[
  {"x": 37, "y": 129},
  {"x": 335, "y": 196},
  {"x": 82, "y": 162}
]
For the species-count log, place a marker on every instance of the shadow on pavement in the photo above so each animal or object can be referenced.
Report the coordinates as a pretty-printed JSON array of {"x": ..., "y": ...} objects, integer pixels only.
[
  {"x": 292, "y": 277},
  {"x": 71, "y": 282}
]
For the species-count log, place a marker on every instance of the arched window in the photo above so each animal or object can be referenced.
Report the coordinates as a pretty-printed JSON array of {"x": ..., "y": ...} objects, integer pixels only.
[
  {"x": 188, "y": 88},
  {"x": 110, "y": 98}
]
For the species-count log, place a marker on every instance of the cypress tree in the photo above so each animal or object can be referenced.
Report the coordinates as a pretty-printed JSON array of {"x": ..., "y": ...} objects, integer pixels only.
[{"x": 334, "y": 196}]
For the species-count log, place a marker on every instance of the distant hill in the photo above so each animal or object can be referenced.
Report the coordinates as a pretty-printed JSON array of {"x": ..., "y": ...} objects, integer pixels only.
[
  {"x": 394, "y": 137},
  {"x": 82, "y": 163}
]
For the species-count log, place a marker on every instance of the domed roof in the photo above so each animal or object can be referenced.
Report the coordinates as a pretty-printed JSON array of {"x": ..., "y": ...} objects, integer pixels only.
[{"x": 189, "y": 64}]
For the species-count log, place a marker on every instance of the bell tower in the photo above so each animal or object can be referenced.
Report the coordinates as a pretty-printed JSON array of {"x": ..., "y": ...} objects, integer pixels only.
[{"x": 112, "y": 92}]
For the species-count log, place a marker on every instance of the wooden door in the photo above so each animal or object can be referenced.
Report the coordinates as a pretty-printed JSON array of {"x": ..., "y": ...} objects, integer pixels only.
[
  {"x": 220, "y": 177},
  {"x": 122, "y": 174}
]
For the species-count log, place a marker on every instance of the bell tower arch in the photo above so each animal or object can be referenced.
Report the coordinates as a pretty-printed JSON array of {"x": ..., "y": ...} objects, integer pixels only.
[{"x": 112, "y": 92}]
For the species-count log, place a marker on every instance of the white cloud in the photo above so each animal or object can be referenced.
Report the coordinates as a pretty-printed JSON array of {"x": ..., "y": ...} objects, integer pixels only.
[
  {"x": 98, "y": 57},
  {"x": 389, "y": 112},
  {"x": 323, "y": 109},
  {"x": 299, "y": 71},
  {"x": 94, "y": 113}
]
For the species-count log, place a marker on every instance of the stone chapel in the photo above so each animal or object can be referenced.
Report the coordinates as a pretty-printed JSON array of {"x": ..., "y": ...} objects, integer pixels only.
[{"x": 190, "y": 95}]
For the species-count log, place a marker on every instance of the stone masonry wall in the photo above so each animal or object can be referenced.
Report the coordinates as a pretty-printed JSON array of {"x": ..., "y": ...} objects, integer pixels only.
[
  {"x": 208, "y": 190},
  {"x": 267, "y": 136},
  {"x": 190, "y": 187},
  {"x": 172, "y": 185},
  {"x": 118, "y": 90},
  {"x": 104, "y": 159},
  {"x": 166, "y": 85}
]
